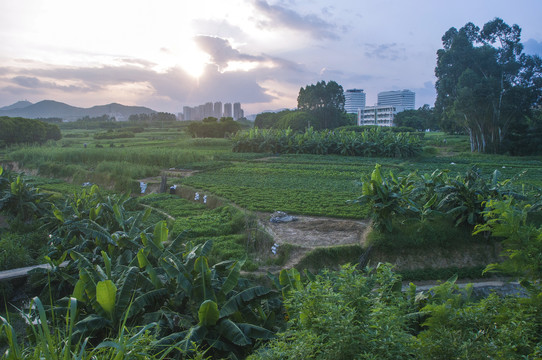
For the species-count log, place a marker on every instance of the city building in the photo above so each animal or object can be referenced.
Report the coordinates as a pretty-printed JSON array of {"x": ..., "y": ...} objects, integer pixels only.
[
  {"x": 400, "y": 99},
  {"x": 354, "y": 100},
  {"x": 228, "y": 110},
  {"x": 236, "y": 111},
  {"x": 209, "y": 109},
  {"x": 218, "y": 109},
  {"x": 187, "y": 113},
  {"x": 377, "y": 115}
]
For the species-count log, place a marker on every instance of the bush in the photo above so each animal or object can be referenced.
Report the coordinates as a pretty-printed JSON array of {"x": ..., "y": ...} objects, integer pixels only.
[
  {"x": 13, "y": 253},
  {"x": 28, "y": 131}
]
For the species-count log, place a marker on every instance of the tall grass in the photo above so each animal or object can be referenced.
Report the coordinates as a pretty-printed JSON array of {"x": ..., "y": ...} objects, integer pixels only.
[{"x": 162, "y": 157}]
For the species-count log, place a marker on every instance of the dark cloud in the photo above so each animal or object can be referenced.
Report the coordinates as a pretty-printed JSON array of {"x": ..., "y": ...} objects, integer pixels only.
[
  {"x": 35, "y": 83},
  {"x": 533, "y": 47},
  {"x": 221, "y": 51},
  {"x": 391, "y": 51},
  {"x": 281, "y": 16}
]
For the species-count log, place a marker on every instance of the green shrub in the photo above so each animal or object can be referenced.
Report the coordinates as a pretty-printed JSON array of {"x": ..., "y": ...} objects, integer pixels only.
[{"x": 13, "y": 253}]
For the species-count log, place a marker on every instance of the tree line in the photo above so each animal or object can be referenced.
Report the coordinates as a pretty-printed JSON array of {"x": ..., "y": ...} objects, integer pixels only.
[{"x": 20, "y": 130}]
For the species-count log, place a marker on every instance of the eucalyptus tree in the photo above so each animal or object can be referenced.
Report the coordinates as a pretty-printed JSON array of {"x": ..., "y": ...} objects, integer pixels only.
[{"x": 485, "y": 83}]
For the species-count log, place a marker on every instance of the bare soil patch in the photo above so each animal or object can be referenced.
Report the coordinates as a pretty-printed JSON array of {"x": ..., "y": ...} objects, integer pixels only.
[{"x": 311, "y": 232}]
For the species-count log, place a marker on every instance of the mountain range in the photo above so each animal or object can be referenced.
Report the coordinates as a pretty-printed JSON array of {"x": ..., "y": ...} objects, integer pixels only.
[{"x": 55, "y": 109}]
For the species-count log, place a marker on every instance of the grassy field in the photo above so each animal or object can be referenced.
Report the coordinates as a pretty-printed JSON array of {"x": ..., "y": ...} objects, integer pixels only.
[{"x": 297, "y": 184}]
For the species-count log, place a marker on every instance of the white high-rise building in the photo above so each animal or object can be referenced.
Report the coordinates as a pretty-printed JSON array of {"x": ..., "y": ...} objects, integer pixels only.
[
  {"x": 400, "y": 99},
  {"x": 354, "y": 100}
]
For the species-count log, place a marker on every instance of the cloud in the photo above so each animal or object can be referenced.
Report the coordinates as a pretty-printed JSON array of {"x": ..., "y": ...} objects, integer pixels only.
[
  {"x": 385, "y": 51},
  {"x": 533, "y": 47},
  {"x": 146, "y": 86},
  {"x": 221, "y": 28},
  {"x": 278, "y": 15},
  {"x": 221, "y": 51},
  {"x": 35, "y": 83}
]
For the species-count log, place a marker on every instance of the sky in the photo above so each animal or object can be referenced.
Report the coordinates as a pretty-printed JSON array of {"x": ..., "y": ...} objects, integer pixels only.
[{"x": 166, "y": 54}]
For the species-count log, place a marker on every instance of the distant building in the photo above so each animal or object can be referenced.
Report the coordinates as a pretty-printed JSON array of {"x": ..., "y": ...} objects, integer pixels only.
[
  {"x": 217, "y": 110},
  {"x": 377, "y": 115},
  {"x": 354, "y": 100},
  {"x": 236, "y": 111},
  {"x": 208, "y": 110},
  {"x": 400, "y": 99},
  {"x": 228, "y": 110},
  {"x": 187, "y": 113}
]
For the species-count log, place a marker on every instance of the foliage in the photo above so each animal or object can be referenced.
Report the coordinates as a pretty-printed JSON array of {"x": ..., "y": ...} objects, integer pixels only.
[
  {"x": 507, "y": 219},
  {"x": 155, "y": 118},
  {"x": 421, "y": 119},
  {"x": 362, "y": 128},
  {"x": 20, "y": 200},
  {"x": 344, "y": 315},
  {"x": 210, "y": 127},
  {"x": 121, "y": 274},
  {"x": 296, "y": 120},
  {"x": 423, "y": 197},
  {"x": 268, "y": 120},
  {"x": 373, "y": 142},
  {"x": 325, "y": 102},
  {"x": 485, "y": 89},
  {"x": 388, "y": 197},
  {"x": 456, "y": 326},
  {"x": 28, "y": 131}
]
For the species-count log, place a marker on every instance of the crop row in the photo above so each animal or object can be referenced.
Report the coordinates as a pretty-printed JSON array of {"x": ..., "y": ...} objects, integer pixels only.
[{"x": 373, "y": 142}]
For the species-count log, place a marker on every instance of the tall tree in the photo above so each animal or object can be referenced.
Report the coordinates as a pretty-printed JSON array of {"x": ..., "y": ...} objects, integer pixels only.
[
  {"x": 325, "y": 102},
  {"x": 485, "y": 83}
]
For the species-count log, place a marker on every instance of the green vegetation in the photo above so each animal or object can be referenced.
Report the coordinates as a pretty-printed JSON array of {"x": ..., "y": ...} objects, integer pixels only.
[
  {"x": 160, "y": 276},
  {"x": 373, "y": 142},
  {"x": 422, "y": 119},
  {"x": 488, "y": 88},
  {"x": 212, "y": 128},
  {"x": 160, "y": 244},
  {"x": 26, "y": 131}
]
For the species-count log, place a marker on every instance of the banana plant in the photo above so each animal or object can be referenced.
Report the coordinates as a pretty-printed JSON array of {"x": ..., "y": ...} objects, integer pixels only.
[
  {"x": 112, "y": 294},
  {"x": 211, "y": 305},
  {"x": 387, "y": 197},
  {"x": 21, "y": 200}
]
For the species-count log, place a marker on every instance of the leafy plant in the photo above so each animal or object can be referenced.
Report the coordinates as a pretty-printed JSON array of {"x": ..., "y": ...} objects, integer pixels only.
[{"x": 387, "y": 197}]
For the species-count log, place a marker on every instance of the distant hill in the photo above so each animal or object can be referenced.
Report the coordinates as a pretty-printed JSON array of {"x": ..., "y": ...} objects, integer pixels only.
[
  {"x": 17, "y": 105},
  {"x": 50, "y": 109}
]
